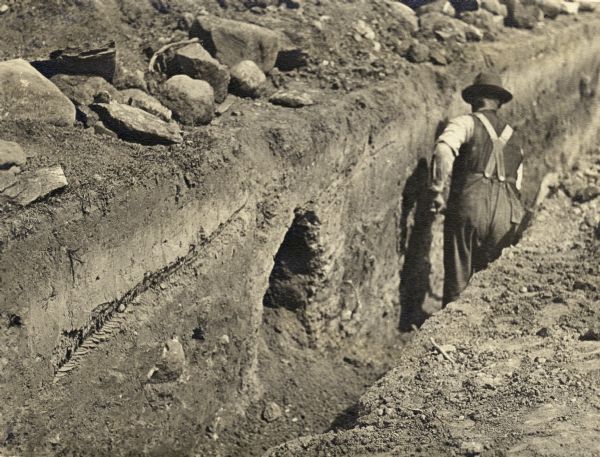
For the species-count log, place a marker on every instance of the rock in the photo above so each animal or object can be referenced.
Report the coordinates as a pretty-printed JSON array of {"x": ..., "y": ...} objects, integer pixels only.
[
  {"x": 587, "y": 193},
  {"x": 364, "y": 30},
  {"x": 522, "y": 16},
  {"x": 417, "y": 53},
  {"x": 233, "y": 41},
  {"x": 136, "y": 125},
  {"x": 191, "y": 100},
  {"x": 491, "y": 26},
  {"x": 588, "y": 5},
  {"x": 26, "y": 95},
  {"x": 550, "y": 8},
  {"x": 437, "y": 6},
  {"x": 569, "y": 8},
  {"x": 592, "y": 334},
  {"x": 81, "y": 89},
  {"x": 224, "y": 107},
  {"x": 140, "y": 99},
  {"x": 438, "y": 56},
  {"x": 403, "y": 15},
  {"x": 185, "y": 21},
  {"x": 447, "y": 29},
  {"x": 3, "y": 9},
  {"x": 471, "y": 448},
  {"x": 29, "y": 187},
  {"x": 193, "y": 60},
  {"x": 291, "y": 57},
  {"x": 7, "y": 179},
  {"x": 99, "y": 61},
  {"x": 171, "y": 365},
  {"x": 247, "y": 79},
  {"x": 291, "y": 99},
  {"x": 271, "y": 412},
  {"x": 101, "y": 129},
  {"x": 494, "y": 7},
  {"x": 87, "y": 116},
  {"x": 127, "y": 79},
  {"x": 544, "y": 332},
  {"x": 11, "y": 154}
]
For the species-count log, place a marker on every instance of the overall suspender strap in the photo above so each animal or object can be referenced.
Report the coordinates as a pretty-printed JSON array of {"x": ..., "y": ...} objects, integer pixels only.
[{"x": 496, "y": 159}]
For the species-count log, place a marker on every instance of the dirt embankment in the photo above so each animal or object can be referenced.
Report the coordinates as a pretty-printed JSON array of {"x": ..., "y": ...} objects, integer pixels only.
[
  {"x": 519, "y": 374},
  {"x": 152, "y": 243}
]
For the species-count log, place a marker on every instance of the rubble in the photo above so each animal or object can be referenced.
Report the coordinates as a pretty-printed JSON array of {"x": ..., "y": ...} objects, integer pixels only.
[
  {"x": 247, "y": 79},
  {"x": 82, "y": 89},
  {"x": 11, "y": 154},
  {"x": 96, "y": 61},
  {"x": 26, "y": 95},
  {"x": 191, "y": 100},
  {"x": 31, "y": 186},
  {"x": 291, "y": 99},
  {"x": 140, "y": 99},
  {"x": 233, "y": 41},
  {"x": 447, "y": 29},
  {"x": 136, "y": 125},
  {"x": 194, "y": 61}
]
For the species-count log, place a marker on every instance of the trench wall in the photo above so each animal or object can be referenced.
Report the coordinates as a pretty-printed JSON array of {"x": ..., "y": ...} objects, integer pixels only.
[{"x": 199, "y": 256}]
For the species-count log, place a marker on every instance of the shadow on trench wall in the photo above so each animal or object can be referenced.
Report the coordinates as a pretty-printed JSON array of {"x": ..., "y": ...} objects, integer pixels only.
[{"x": 414, "y": 244}]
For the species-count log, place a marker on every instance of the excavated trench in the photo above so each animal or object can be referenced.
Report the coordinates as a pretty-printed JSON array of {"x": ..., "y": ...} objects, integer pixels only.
[{"x": 307, "y": 233}]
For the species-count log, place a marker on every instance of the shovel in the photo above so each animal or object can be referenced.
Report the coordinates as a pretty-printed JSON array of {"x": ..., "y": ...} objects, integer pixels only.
[{"x": 549, "y": 181}]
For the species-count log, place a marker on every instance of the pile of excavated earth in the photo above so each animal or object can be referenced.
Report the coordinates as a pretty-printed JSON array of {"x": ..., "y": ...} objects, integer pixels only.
[{"x": 133, "y": 92}]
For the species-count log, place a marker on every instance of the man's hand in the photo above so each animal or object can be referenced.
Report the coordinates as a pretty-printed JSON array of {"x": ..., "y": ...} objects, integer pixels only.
[{"x": 438, "y": 205}]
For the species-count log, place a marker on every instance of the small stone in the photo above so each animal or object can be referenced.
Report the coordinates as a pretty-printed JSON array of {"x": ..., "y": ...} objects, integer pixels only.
[
  {"x": 11, "y": 154},
  {"x": 224, "y": 339},
  {"x": 438, "y": 57},
  {"x": 193, "y": 60},
  {"x": 103, "y": 97},
  {"x": 225, "y": 106},
  {"x": 185, "y": 21},
  {"x": 586, "y": 194},
  {"x": 271, "y": 412},
  {"x": 247, "y": 79},
  {"x": 3, "y": 9},
  {"x": 524, "y": 289},
  {"x": 364, "y": 30},
  {"x": 121, "y": 308},
  {"x": 418, "y": 53},
  {"x": 191, "y": 100},
  {"x": 136, "y": 125},
  {"x": 291, "y": 99},
  {"x": 592, "y": 334},
  {"x": 140, "y": 99},
  {"x": 570, "y": 8},
  {"x": 170, "y": 367},
  {"x": 544, "y": 332},
  {"x": 346, "y": 315}
]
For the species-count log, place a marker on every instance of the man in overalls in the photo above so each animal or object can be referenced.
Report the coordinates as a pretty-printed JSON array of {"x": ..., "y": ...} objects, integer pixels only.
[{"x": 484, "y": 158}]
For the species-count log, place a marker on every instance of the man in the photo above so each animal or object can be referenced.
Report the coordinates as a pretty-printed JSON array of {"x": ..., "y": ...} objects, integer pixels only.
[{"x": 483, "y": 156}]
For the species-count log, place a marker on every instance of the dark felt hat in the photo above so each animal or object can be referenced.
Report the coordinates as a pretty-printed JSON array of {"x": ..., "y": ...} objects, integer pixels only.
[{"x": 487, "y": 85}]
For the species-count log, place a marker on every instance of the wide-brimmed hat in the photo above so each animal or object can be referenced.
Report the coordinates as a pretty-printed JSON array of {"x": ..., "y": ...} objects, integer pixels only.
[{"x": 486, "y": 85}]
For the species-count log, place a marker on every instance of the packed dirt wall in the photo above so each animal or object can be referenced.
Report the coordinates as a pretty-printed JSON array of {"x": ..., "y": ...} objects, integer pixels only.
[{"x": 152, "y": 243}]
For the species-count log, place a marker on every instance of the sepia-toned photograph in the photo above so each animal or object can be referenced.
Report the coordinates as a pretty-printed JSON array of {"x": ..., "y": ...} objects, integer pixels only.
[{"x": 299, "y": 228}]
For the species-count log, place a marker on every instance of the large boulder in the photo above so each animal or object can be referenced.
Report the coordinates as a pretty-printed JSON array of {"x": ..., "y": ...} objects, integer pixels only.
[
  {"x": 136, "y": 125},
  {"x": 82, "y": 89},
  {"x": 247, "y": 80},
  {"x": 233, "y": 41},
  {"x": 11, "y": 154},
  {"x": 191, "y": 100},
  {"x": 140, "y": 99},
  {"x": 26, "y": 95},
  {"x": 98, "y": 61},
  {"x": 193, "y": 60}
]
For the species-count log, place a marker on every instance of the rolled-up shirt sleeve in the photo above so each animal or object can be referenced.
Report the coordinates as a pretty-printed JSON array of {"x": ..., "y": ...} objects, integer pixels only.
[{"x": 458, "y": 131}]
